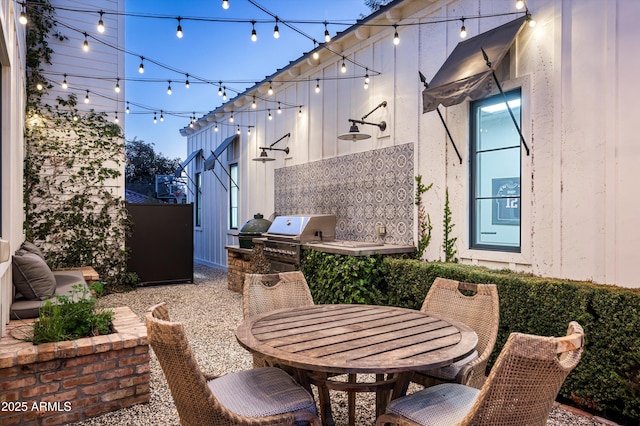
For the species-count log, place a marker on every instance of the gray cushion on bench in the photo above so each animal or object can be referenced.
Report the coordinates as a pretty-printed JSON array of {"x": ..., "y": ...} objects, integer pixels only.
[{"x": 21, "y": 308}]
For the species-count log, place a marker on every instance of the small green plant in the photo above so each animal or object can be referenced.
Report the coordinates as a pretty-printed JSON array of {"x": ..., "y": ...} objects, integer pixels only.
[
  {"x": 448, "y": 243},
  {"x": 424, "y": 220},
  {"x": 71, "y": 317}
]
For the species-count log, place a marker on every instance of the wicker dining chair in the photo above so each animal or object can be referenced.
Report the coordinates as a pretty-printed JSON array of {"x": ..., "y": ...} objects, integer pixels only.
[
  {"x": 264, "y": 396},
  {"x": 520, "y": 389},
  {"x": 481, "y": 312},
  {"x": 267, "y": 292}
]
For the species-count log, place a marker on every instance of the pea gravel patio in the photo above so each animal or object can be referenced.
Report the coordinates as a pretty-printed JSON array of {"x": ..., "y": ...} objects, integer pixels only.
[{"x": 210, "y": 313}]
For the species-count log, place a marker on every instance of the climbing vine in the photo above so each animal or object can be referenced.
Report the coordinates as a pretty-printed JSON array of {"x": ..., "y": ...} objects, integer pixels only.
[
  {"x": 424, "y": 220},
  {"x": 448, "y": 242},
  {"x": 73, "y": 169}
]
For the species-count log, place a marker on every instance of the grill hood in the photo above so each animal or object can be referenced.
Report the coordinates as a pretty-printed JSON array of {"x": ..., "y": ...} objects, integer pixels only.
[{"x": 303, "y": 228}]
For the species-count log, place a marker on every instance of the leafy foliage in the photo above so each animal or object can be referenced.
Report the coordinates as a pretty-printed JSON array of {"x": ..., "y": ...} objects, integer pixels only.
[
  {"x": 143, "y": 163},
  {"x": 376, "y": 4},
  {"x": 71, "y": 317},
  {"x": 448, "y": 242},
  {"x": 73, "y": 162},
  {"x": 424, "y": 220}
]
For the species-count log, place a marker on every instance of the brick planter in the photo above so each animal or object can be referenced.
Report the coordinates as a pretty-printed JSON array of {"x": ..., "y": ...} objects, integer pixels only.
[{"x": 64, "y": 382}]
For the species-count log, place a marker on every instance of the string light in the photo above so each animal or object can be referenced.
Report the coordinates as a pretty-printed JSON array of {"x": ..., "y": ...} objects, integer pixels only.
[
  {"x": 519, "y": 4},
  {"x": 254, "y": 105},
  {"x": 141, "y": 67},
  {"x": 530, "y": 20},
  {"x": 161, "y": 116},
  {"x": 238, "y": 131},
  {"x": 155, "y": 119},
  {"x": 316, "y": 54},
  {"x": 86, "y": 98},
  {"x": 249, "y": 130},
  {"x": 327, "y": 36},
  {"x": 191, "y": 124},
  {"x": 231, "y": 119},
  {"x": 224, "y": 94},
  {"x": 115, "y": 119},
  {"x": 225, "y": 4},
  {"x": 279, "y": 108},
  {"x": 75, "y": 117},
  {"x": 127, "y": 110},
  {"x": 220, "y": 89},
  {"x": 396, "y": 37},
  {"x": 186, "y": 82},
  {"x": 463, "y": 29},
  {"x": 169, "y": 88},
  {"x": 276, "y": 30},
  {"x": 101, "y": 23},
  {"x": 179, "y": 33},
  {"x": 317, "y": 86},
  {"x": 254, "y": 34},
  {"x": 85, "y": 45},
  {"x": 117, "y": 88},
  {"x": 300, "y": 111},
  {"x": 216, "y": 128},
  {"x": 65, "y": 85},
  {"x": 343, "y": 67},
  {"x": 270, "y": 91},
  {"x": 270, "y": 116},
  {"x": 23, "y": 15},
  {"x": 366, "y": 79},
  {"x": 39, "y": 86}
]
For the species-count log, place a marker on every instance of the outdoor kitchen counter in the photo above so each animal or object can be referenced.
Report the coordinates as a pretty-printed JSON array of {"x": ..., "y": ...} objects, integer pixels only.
[{"x": 358, "y": 248}]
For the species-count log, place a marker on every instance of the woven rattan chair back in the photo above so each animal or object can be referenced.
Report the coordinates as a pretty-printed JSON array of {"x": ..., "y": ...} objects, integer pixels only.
[
  {"x": 526, "y": 379},
  {"x": 480, "y": 311},
  {"x": 194, "y": 400},
  {"x": 267, "y": 292}
]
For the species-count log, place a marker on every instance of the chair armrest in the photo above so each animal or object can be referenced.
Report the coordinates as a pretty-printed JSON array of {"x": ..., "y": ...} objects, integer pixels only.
[
  {"x": 209, "y": 377},
  {"x": 464, "y": 374}
]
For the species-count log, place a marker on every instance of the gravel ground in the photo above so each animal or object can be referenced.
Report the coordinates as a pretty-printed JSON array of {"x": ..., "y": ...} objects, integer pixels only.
[{"x": 210, "y": 313}]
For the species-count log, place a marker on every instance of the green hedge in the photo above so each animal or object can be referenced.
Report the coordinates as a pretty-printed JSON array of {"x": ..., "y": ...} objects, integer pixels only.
[{"x": 607, "y": 380}]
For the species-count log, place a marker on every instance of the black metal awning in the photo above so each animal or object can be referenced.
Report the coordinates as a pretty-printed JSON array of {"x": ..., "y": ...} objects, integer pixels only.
[
  {"x": 465, "y": 72},
  {"x": 210, "y": 162},
  {"x": 181, "y": 167}
]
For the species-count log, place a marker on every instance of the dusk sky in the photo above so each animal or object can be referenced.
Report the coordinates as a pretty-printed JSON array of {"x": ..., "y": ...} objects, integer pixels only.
[{"x": 215, "y": 51}]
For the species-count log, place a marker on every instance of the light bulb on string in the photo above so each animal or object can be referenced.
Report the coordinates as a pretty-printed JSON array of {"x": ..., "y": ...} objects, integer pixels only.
[
  {"x": 254, "y": 34},
  {"x": 300, "y": 111},
  {"x": 186, "y": 82},
  {"x": 179, "y": 33},
  {"x": 115, "y": 119},
  {"x": 270, "y": 91},
  {"x": 128, "y": 110},
  {"x": 396, "y": 37},
  {"x": 220, "y": 89},
  {"x": 463, "y": 29},
  {"x": 191, "y": 124},
  {"x": 161, "y": 116},
  {"x": 225, "y": 4},
  {"x": 317, "y": 86},
  {"x": 276, "y": 30},
  {"x": 254, "y": 105},
  {"x": 216, "y": 128},
  {"x": 117, "y": 88},
  {"x": 315, "y": 55},
  {"x": 249, "y": 130},
  {"x": 155, "y": 119},
  {"x": 238, "y": 131},
  {"x": 279, "y": 108},
  {"x": 101, "y": 23},
  {"x": 85, "y": 45},
  {"x": 270, "y": 116},
  {"x": 23, "y": 15},
  {"x": 519, "y": 4},
  {"x": 65, "y": 85},
  {"x": 327, "y": 36},
  {"x": 366, "y": 78},
  {"x": 231, "y": 119},
  {"x": 224, "y": 94},
  {"x": 141, "y": 67},
  {"x": 530, "y": 20},
  {"x": 169, "y": 91},
  {"x": 343, "y": 67},
  {"x": 39, "y": 86},
  {"x": 86, "y": 98},
  {"x": 75, "y": 117}
]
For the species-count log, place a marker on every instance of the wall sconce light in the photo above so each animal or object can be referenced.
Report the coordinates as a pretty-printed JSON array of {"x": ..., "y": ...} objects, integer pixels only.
[
  {"x": 263, "y": 153},
  {"x": 354, "y": 133}
]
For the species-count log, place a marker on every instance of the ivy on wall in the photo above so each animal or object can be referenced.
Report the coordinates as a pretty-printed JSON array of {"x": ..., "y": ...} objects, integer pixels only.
[{"x": 73, "y": 167}]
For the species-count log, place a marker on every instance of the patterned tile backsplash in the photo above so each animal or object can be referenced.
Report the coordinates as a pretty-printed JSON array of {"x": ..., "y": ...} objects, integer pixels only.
[{"x": 364, "y": 191}]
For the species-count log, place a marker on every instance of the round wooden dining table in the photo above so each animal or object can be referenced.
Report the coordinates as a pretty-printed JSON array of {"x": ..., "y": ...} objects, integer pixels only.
[{"x": 320, "y": 341}]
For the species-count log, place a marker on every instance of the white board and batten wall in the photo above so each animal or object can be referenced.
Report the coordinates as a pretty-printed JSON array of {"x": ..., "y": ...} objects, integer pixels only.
[{"x": 576, "y": 71}]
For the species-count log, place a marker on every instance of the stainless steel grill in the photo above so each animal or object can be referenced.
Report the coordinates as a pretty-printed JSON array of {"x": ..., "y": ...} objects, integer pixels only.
[{"x": 287, "y": 233}]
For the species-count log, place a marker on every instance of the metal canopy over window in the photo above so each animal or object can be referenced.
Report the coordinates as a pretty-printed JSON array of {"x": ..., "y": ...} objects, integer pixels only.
[
  {"x": 190, "y": 158},
  {"x": 210, "y": 162},
  {"x": 466, "y": 73}
]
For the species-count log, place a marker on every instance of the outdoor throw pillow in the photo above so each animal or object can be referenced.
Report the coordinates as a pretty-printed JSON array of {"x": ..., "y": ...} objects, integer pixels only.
[
  {"x": 29, "y": 247},
  {"x": 32, "y": 277}
]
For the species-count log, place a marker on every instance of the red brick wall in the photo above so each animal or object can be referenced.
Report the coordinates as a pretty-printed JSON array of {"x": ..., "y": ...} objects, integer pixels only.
[{"x": 57, "y": 383}]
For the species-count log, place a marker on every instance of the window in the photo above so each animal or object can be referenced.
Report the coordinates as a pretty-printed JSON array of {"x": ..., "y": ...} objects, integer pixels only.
[
  {"x": 495, "y": 172},
  {"x": 198, "y": 184},
  {"x": 233, "y": 196}
]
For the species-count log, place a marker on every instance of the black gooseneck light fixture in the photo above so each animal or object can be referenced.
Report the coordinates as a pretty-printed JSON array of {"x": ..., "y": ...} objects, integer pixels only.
[
  {"x": 263, "y": 153},
  {"x": 354, "y": 133}
]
